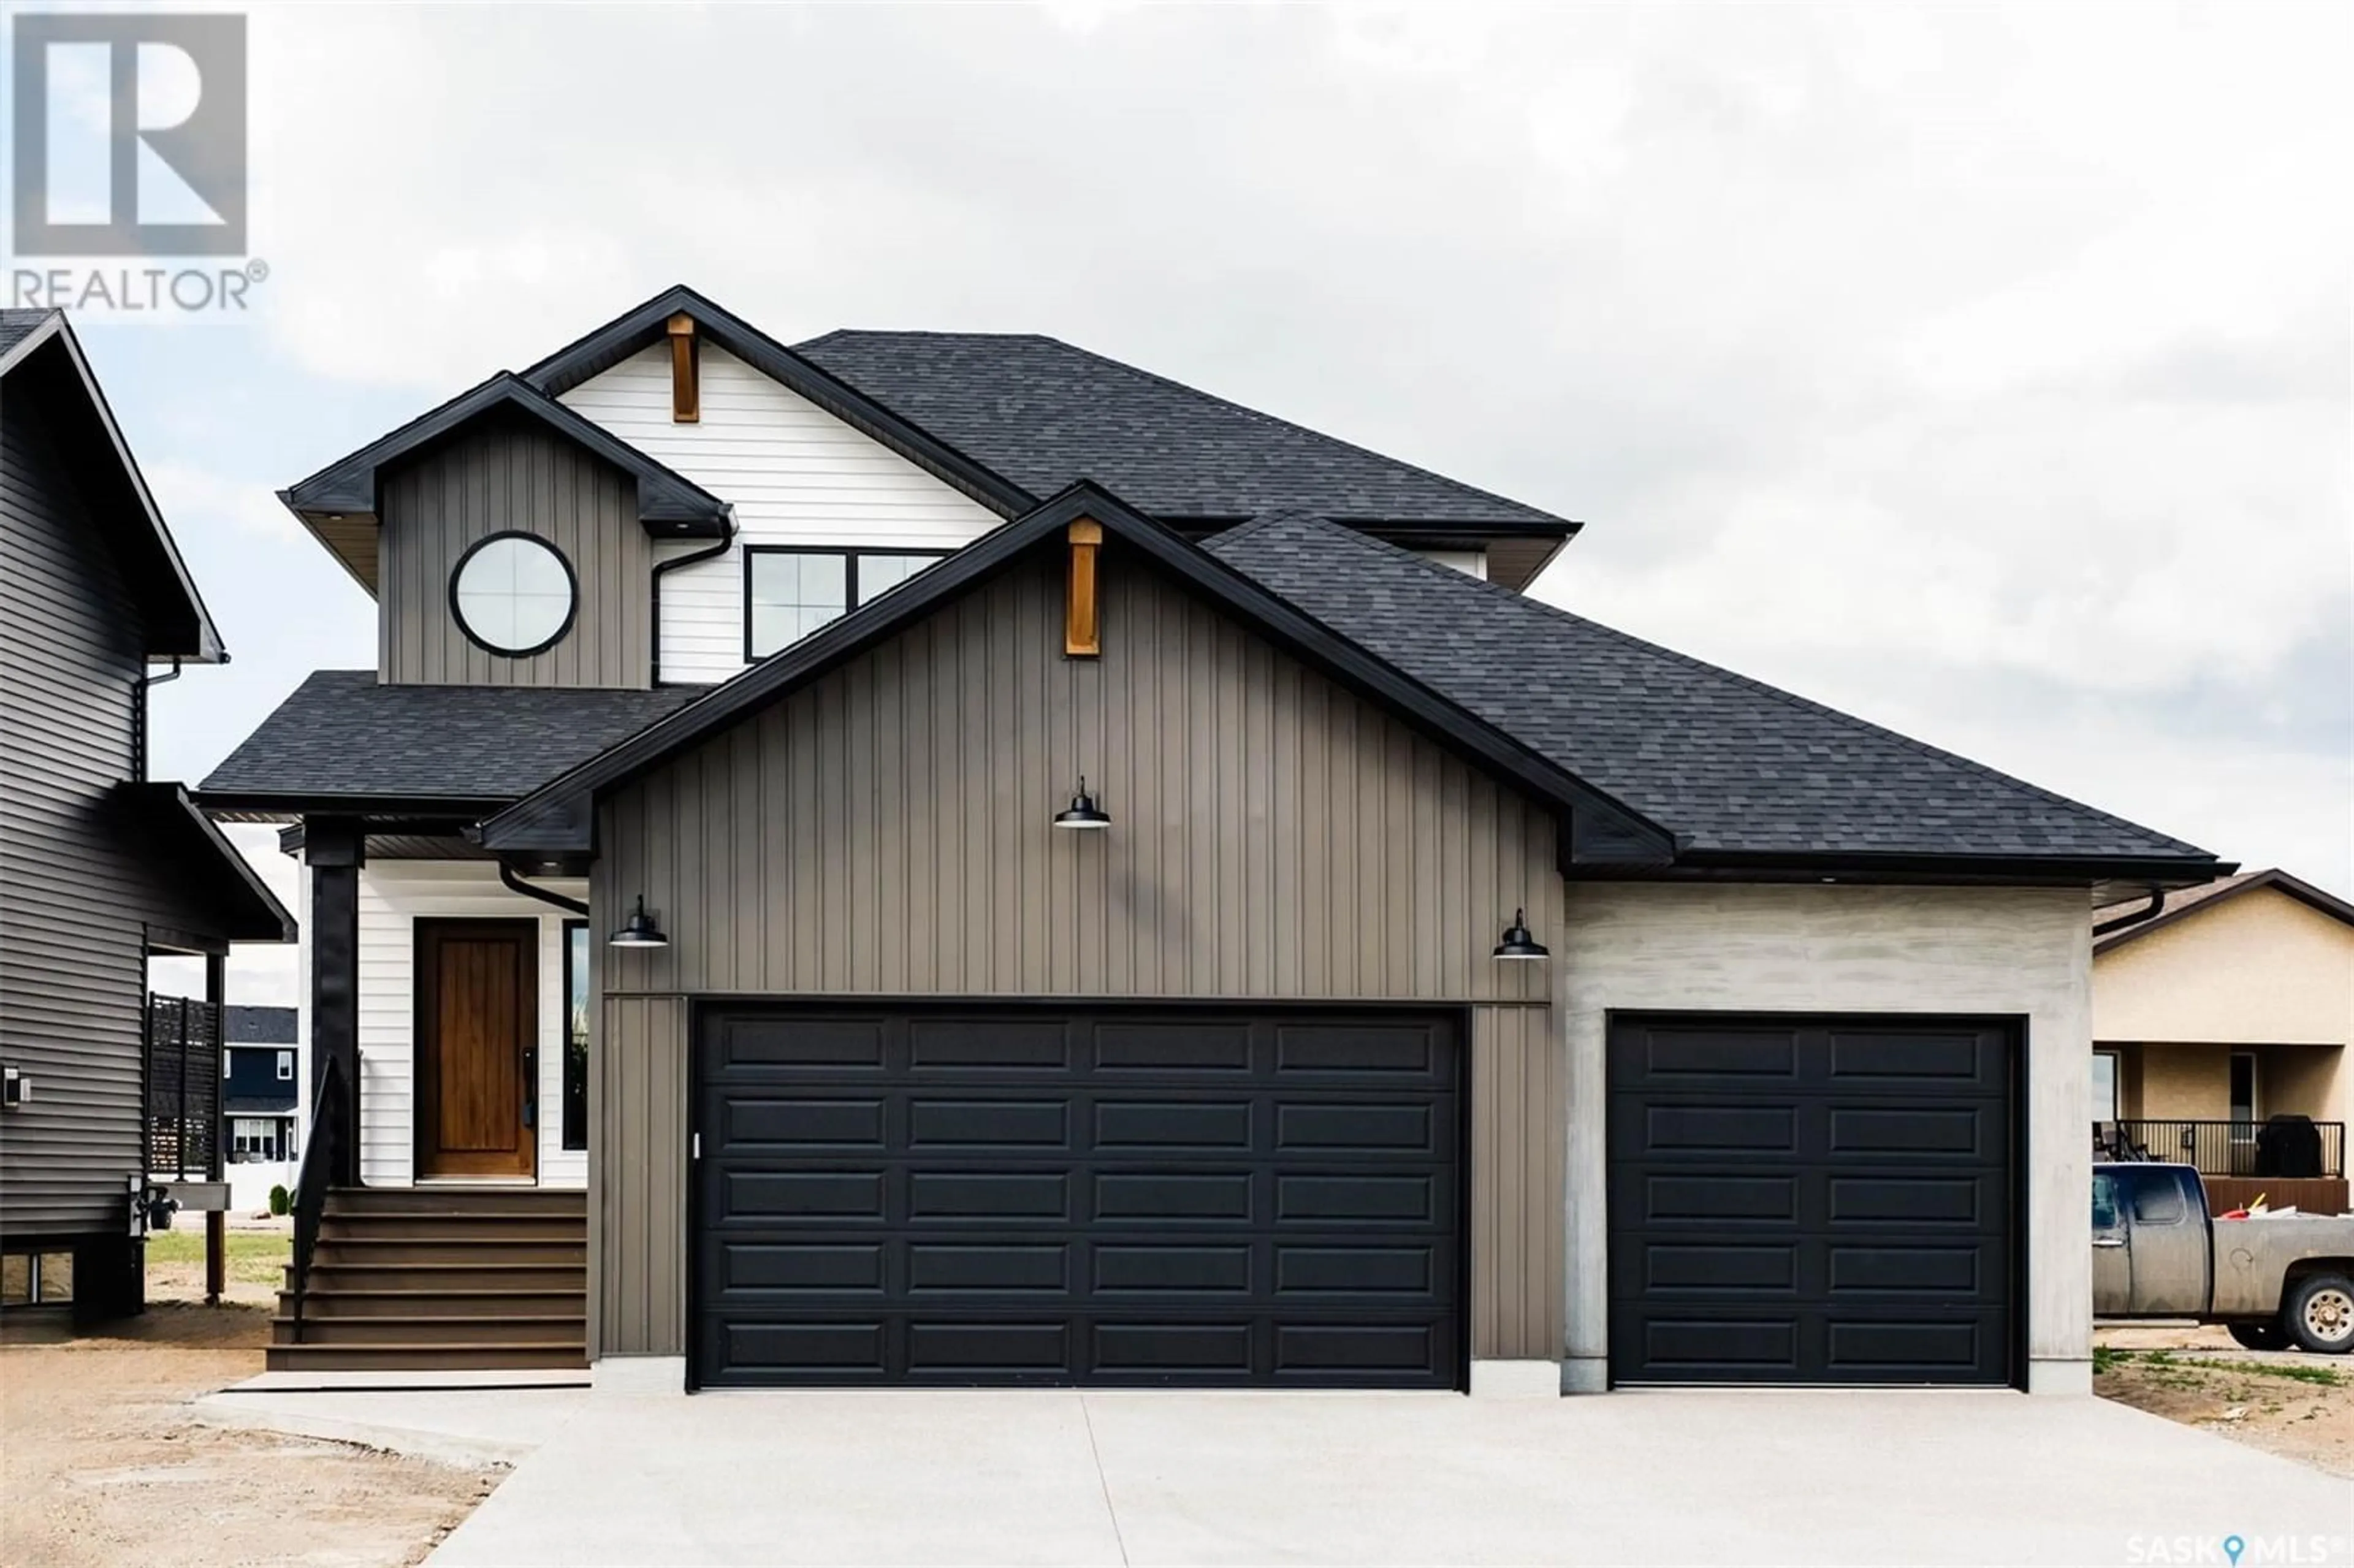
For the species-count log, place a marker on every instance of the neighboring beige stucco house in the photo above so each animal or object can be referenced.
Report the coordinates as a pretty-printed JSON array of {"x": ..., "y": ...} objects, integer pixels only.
[{"x": 2234, "y": 1003}]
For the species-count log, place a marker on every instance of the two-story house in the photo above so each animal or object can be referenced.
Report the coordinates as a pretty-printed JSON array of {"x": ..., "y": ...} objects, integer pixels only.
[
  {"x": 261, "y": 1087},
  {"x": 943, "y": 858},
  {"x": 100, "y": 867}
]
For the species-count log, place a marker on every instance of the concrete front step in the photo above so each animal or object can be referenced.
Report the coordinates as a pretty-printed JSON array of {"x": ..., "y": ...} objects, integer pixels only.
[
  {"x": 452, "y": 1302},
  {"x": 571, "y": 1329},
  {"x": 311, "y": 1357}
]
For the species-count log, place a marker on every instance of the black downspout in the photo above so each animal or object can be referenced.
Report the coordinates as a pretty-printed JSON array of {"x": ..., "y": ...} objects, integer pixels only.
[
  {"x": 2148, "y": 912},
  {"x": 139, "y": 719},
  {"x": 518, "y": 885},
  {"x": 726, "y": 539}
]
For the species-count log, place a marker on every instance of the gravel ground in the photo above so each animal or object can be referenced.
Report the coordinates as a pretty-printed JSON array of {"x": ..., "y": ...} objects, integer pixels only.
[
  {"x": 2287, "y": 1403},
  {"x": 100, "y": 1464}
]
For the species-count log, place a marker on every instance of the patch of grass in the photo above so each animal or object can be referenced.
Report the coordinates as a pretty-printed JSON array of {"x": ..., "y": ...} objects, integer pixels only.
[
  {"x": 2106, "y": 1359},
  {"x": 255, "y": 1257},
  {"x": 2296, "y": 1371}
]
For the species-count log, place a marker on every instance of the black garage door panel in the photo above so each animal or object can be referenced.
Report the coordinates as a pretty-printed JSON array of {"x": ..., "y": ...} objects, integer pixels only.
[
  {"x": 1812, "y": 1201},
  {"x": 990, "y": 1196}
]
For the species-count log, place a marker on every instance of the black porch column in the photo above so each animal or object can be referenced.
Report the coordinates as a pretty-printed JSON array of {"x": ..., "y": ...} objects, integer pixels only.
[
  {"x": 216, "y": 1219},
  {"x": 334, "y": 848}
]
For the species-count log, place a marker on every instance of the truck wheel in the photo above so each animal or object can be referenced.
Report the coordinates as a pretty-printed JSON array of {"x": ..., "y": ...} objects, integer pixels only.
[
  {"x": 2261, "y": 1336},
  {"x": 2320, "y": 1313}
]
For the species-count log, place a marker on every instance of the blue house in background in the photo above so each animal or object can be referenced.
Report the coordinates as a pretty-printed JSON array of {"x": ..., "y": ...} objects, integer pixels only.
[{"x": 261, "y": 1086}]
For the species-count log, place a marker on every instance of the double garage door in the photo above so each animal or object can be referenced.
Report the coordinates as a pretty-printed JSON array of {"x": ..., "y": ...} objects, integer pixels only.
[
  {"x": 1824, "y": 1201},
  {"x": 937, "y": 1195},
  {"x": 943, "y": 1195}
]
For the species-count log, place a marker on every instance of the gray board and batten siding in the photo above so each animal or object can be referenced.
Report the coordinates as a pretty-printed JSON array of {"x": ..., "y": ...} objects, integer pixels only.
[
  {"x": 883, "y": 832},
  {"x": 504, "y": 475}
]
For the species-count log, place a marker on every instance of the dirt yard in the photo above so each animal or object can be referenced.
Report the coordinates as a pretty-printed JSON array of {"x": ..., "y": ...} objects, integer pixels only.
[
  {"x": 2298, "y": 1407},
  {"x": 256, "y": 1254},
  {"x": 100, "y": 1464}
]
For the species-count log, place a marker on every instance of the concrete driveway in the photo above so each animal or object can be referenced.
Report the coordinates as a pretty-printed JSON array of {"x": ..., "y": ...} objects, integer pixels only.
[{"x": 1964, "y": 1478}]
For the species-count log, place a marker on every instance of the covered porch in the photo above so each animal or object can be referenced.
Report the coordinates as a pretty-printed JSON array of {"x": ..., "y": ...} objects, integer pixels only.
[{"x": 440, "y": 1211}]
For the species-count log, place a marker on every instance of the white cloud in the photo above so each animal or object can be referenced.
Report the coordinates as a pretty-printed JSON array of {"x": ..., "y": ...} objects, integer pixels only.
[{"x": 1945, "y": 350}]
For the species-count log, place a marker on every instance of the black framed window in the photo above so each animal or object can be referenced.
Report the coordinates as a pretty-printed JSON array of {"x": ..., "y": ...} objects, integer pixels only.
[
  {"x": 576, "y": 1035},
  {"x": 791, "y": 590},
  {"x": 514, "y": 593}
]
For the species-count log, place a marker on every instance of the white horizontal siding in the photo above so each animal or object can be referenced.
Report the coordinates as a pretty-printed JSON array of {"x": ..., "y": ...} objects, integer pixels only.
[
  {"x": 394, "y": 895},
  {"x": 1471, "y": 562},
  {"x": 795, "y": 474}
]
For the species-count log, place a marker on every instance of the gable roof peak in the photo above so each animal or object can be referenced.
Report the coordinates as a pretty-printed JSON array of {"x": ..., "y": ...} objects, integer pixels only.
[
  {"x": 2185, "y": 902},
  {"x": 557, "y": 812},
  {"x": 40, "y": 346}
]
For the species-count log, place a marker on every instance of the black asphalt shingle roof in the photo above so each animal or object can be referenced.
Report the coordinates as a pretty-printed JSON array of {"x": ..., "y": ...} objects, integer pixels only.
[
  {"x": 1045, "y": 414},
  {"x": 260, "y": 1026},
  {"x": 1724, "y": 762},
  {"x": 16, "y": 326},
  {"x": 343, "y": 734}
]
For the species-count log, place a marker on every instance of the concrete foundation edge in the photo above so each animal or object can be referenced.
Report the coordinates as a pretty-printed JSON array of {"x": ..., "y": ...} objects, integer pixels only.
[
  {"x": 637, "y": 1374},
  {"x": 2056, "y": 1374},
  {"x": 1586, "y": 1374},
  {"x": 1515, "y": 1380}
]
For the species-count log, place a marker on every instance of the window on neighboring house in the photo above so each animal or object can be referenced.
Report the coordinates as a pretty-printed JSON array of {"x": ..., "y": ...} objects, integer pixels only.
[
  {"x": 789, "y": 592},
  {"x": 2243, "y": 1094},
  {"x": 576, "y": 1035},
  {"x": 286, "y": 1066},
  {"x": 253, "y": 1138},
  {"x": 2105, "y": 1086}
]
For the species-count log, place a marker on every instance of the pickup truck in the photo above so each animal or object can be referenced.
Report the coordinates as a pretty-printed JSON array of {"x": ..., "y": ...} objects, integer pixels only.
[{"x": 2275, "y": 1283}]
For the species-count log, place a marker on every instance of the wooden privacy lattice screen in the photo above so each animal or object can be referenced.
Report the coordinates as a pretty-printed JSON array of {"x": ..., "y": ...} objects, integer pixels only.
[{"x": 183, "y": 1089}]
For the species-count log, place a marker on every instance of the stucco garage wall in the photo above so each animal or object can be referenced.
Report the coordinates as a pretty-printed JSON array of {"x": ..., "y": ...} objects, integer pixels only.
[{"x": 1816, "y": 949}]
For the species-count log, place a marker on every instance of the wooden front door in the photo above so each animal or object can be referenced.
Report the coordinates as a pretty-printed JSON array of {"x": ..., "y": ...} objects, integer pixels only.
[{"x": 477, "y": 1030}]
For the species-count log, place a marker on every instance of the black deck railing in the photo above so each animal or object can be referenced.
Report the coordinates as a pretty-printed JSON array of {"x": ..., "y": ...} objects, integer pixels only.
[
  {"x": 2226, "y": 1148},
  {"x": 322, "y": 1150}
]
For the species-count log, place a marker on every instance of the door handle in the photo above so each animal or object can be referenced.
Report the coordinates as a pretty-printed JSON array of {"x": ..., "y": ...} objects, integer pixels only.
[
  {"x": 530, "y": 1087},
  {"x": 2108, "y": 1241}
]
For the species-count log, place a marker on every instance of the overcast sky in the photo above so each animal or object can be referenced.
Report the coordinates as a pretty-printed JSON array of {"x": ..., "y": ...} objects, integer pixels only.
[{"x": 1982, "y": 372}]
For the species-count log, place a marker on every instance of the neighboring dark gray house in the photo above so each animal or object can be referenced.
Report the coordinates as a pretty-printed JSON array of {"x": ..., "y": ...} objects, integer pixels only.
[
  {"x": 260, "y": 1085},
  {"x": 100, "y": 867},
  {"x": 934, "y": 858}
]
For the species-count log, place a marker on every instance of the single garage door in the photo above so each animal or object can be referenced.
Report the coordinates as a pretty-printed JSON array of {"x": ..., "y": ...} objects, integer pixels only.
[
  {"x": 941, "y": 1195},
  {"x": 1811, "y": 1200}
]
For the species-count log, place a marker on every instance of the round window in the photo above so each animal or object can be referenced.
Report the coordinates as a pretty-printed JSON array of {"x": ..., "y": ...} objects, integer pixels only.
[{"x": 513, "y": 593}]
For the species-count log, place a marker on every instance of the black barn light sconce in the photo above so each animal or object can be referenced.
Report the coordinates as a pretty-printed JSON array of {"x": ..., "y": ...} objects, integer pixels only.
[
  {"x": 1083, "y": 812},
  {"x": 1519, "y": 942},
  {"x": 640, "y": 930}
]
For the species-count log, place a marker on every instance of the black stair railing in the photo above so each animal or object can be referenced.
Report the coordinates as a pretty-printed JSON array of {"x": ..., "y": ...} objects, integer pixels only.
[{"x": 322, "y": 1156}]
